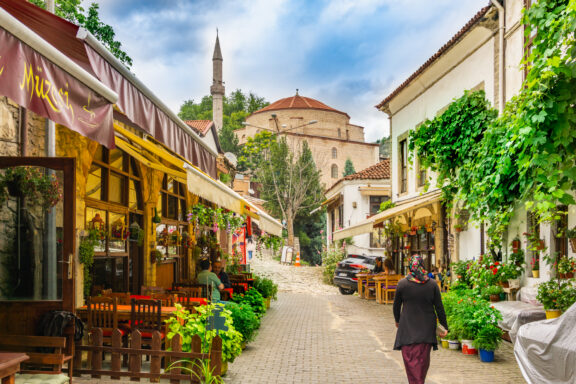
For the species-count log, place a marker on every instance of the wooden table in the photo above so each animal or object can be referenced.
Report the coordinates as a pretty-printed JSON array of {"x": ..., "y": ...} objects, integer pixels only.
[
  {"x": 362, "y": 278},
  {"x": 10, "y": 365},
  {"x": 124, "y": 312}
]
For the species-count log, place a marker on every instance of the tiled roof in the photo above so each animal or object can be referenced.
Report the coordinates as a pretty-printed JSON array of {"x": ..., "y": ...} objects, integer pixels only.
[
  {"x": 380, "y": 170},
  {"x": 298, "y": 102},
  {"x": 440, "y": 52},
  {"x": 200, "y": 126}
]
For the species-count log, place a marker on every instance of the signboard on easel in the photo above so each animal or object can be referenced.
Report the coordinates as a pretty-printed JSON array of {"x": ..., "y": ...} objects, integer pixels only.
[{"x": 287, "y": 253}]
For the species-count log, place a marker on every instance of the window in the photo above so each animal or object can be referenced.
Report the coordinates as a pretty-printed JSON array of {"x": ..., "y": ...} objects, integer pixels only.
[
  {"x": 339, "y": 132},
  {"x": 403, "y": 152},
  {"x": 422, "y": 174},
  {"x": 560, "y": 239},
  {"x": 375, "y": 202},
  {"x": 341, "y": 216},
  {"x": 334, "y": 153},
  {"x": 172, "y": 208},
  {"x": 113, "y": 203},
  {"x": 334, "y": 171}
]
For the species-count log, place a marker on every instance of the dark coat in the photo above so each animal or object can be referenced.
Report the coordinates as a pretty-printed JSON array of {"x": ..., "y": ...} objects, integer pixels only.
[
  {"x": 415, "y": 309},
  {"x": 223, "y": 276}
]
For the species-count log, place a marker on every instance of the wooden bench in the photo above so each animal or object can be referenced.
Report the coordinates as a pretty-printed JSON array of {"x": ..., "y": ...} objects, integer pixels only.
[{"x": 47, "y": 356}]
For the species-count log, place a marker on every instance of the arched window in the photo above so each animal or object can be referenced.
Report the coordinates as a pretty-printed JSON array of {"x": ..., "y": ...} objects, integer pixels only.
[
  {"x": 334, "y": 153},
  {"x": 334, "y": 171}
]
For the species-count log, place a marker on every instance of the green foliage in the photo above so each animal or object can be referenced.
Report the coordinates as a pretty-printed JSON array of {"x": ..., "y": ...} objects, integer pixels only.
[
  {"x": 488, "y": 338},
  {"x": 566, "y": 264},
  {"x": 253, "y": 298},
  {"x": 348, "y": 168},
  {"x": 188, "y": 324},
  {"x": 255, "y": 151},
  {"x": 330, "y": 259},
  {"x": 571, "y": 233},
  {"x": 266, "y": 287},
  {"x": 308, "y": 228},
  {"x": 450, "y": 141},
  {"x": 245, "y": 320},
  {"x": 204, "y": 215},
  {"x": 556, "y": 294},
  {"x": 386, "y": 205},
  {"x": 493, "y": 290},
  {"x": 236, "y": 107},
  {"x": 72, "y": 11},
  {"x": 86, "y": 257},
  {"x": 200, "y": 371},
  {"x": 31, "y": 183}
]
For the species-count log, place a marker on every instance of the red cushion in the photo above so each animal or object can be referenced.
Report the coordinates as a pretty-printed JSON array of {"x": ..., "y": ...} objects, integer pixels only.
[
  {"x": 391, "y": 287},
  {"x": 108, "y": 333},
  {"x": 148, "y": 335},
  {"x": 139, "y": 297}
]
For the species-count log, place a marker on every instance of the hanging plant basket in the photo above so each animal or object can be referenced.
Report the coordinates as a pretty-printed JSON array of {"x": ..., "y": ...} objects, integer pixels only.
[{"x": 31, "y": 183}]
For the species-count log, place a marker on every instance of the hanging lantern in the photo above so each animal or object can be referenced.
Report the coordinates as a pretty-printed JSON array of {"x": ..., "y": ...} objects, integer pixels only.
[
  {"x": 97, "y": 222},
  {"x": 119, "y": 230}
]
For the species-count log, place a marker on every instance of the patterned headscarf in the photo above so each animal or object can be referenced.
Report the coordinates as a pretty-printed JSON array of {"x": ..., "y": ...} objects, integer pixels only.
[{"x": 417, "y": 272}]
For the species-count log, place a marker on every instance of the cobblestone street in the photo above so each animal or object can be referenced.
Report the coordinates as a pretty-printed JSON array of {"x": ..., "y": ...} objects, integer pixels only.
[{"x": 310, "y": 337}]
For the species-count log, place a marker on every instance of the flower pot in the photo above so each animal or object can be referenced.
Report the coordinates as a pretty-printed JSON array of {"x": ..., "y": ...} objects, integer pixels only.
[
  {"x": 540, "y": 246},
  {"x": 515, "y": 245},
  {"x": 568, "y": 275},
  {"x": 505, "y": 284},
  {"x": 553, "y": 313},
  {"x": 495, "y": 298},
  {"x": 224, "y": 368},
  {"x": 267, "y": 302},
  {"x": 468, "y": 348},
  {"x": 412, "y": 233},
  {"x": 573, "y": 244},
  {"x": 486, "y": 356},
  {"x": 453, "y": 344},
  {"x": 243, "y": 345},
  {"x": 445, "y": 343},
  {"x": 535, "y": 273},
  {"x": 503, "y": 296}
]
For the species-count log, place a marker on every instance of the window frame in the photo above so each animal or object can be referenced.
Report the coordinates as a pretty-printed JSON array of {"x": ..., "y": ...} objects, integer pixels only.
[{"x": 403, "y": 165}]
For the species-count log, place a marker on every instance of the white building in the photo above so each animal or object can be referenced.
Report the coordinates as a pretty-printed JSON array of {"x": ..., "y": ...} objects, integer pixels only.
[
  {"x": 484, "y": 55},
  {"x": 353, "y": 199}
]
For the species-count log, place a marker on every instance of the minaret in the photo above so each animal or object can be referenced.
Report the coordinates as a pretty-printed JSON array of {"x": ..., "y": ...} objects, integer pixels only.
[{"x": 217, "y": 88}]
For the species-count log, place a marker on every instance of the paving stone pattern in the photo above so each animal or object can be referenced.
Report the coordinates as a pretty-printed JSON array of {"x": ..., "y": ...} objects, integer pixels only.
[{"x": 343, "y": 339}]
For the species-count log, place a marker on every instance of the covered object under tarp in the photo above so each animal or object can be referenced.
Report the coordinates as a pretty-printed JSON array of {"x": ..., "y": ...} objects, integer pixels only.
[{"x": 546, "y": 350}]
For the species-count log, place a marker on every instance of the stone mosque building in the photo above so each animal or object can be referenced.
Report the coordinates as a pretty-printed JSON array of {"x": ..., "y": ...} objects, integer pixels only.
[{"x": 330, "y": 136}]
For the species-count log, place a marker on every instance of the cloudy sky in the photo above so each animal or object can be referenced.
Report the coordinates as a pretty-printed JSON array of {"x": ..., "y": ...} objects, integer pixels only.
[{"x": 349, "y": 54}]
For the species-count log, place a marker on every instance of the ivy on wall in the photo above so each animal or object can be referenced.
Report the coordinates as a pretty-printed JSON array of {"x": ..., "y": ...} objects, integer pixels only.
[{"x": 528, "y": 154}]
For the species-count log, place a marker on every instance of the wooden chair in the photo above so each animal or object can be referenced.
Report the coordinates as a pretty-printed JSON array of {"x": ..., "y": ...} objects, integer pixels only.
[
  {"x": 197, "y": 290},
  {"x": 103, "y": 313},
  {"x": 145, "y": 316},
  {"x": 167, "y": 299},
  {"x": 123, "y": 297},
  {"x": 386, "y": 288},
  {"x": 369, "y": 287}
]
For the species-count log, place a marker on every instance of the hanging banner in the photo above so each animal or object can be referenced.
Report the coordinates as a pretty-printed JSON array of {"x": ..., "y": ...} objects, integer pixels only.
[{"x": 35, "y": 83}]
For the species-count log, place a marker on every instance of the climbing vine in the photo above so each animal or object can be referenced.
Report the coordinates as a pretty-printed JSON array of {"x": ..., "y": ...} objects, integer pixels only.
[
  {"x": 86, "y": 256},
  {"x": 528, "y": 154}
]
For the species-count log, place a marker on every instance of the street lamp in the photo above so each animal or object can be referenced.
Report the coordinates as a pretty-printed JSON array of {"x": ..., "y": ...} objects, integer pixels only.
[{"x": 283, "y": 125}]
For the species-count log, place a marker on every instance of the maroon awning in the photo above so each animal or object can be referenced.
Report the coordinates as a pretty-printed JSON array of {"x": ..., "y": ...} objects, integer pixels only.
[{"x": 34, "y": 82}]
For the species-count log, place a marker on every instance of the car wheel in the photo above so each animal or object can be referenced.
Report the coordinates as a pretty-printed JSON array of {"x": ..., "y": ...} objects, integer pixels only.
[{"x": 346, "y": 291}]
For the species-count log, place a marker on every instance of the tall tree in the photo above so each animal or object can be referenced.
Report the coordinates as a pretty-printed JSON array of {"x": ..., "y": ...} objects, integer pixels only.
[
  {"x": 254, "y": 152},
  {"x": 385, "y": 146},
  {"x": 72, "y": 11},
  {"x": 348, "y": 168},
  {"x": 290, "y": 182}
]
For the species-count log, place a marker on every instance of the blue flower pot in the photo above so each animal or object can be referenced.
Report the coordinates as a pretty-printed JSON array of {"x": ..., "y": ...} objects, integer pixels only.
[{"x": 486, "y": 356}]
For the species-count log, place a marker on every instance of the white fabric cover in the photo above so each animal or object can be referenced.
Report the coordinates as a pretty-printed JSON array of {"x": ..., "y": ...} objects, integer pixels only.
[
  {"x": 40, "y": 378},
  {"x": 528, "y": 295},
  {"x": 546, "y": 350},
  {"x": 517, "y": 313}
]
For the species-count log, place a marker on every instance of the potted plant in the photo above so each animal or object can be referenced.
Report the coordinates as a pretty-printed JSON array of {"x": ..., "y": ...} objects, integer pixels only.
[
  {"x": 494, "y": 291},
  {"x": 556, "y": 296},
  {"x": 413, "y": 231},
  {"x": 535, "y": 267},
  {"x": 566, "y": 267},
  {"x": 534, "y": 242},
  {"x": 487, "y": 340},
  {"x": 458, "y": 227},
  {"x": 245, "y": 321},
  {"x": 30, "y": 183},
  {"x": 515, "y": 244},
  {"x": 571, "y": 235}
]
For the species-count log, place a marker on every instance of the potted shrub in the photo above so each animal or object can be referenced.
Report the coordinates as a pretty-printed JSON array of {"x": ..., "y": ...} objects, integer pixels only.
[
  {"x": 458, "y": 227},
  {"x": 534, "y": 242},
  {"x": 486, "y": 341},
  {"x": 535, "y": 267},
  {"x": 254, "y": 299},
  {"x": 30, "y": 183},
  {"x": 267, "y": 288},
  {"x": 515, "y": 244},
  {"x": 566, "y": 267},
  {"x": 556, "y": 296},
  {"x": 245, "y": 321},
  {"x": 494, "y": 291}
]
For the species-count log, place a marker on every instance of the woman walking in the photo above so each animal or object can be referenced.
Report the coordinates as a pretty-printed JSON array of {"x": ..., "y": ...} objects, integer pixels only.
[{"x": 417, "y": 306}]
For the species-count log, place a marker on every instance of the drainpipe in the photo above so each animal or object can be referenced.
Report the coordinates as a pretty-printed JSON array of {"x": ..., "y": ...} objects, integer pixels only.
[{"x": 501, "y": 73}]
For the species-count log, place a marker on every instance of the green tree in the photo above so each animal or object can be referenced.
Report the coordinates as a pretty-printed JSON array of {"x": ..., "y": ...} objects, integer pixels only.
[
  {"x": 348, "y": 168},
  {"x": 236, "y": 107},
  {"x": 385, "y": 146},
  {"x": 72, "y": 11},
  {"x": 307, "y": 227},
  {"x": 255, "y": 151},
  {"x": 290, "y": 182}
]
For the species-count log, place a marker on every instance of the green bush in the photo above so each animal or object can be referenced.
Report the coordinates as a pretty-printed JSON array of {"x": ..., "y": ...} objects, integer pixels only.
[
  {"x": 488, "y": 338},
  {"x": 244, "y": 319},
  {"x": 188, "y": 324},
  {"x": 266, "y": 287},
  {"x": 254, "y": 299},
  {"x": 330, "y": 260}
]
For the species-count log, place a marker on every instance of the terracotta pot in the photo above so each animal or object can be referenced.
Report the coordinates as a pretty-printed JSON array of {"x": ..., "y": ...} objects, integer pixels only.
[
  {"x": 495, "y": 298},
  {"x": 505, "y": 284},
  {"x": 568, "y": 275},
  {"x": 515, "y": 245}
]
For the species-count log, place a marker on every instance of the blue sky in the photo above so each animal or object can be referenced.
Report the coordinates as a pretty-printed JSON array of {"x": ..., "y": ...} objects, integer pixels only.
[{"x": 349, "y": 54}]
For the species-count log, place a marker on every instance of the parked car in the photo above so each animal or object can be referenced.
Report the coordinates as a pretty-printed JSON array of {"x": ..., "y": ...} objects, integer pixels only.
[{"x": 346, "y": 270}]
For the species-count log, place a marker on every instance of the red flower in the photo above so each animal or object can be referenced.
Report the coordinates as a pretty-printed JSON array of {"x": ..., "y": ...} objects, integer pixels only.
[
  {"x": 496, "y": 263},
  {"x": 495, "y": 271}
]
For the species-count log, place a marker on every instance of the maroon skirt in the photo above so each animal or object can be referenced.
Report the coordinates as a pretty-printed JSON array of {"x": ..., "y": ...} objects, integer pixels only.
[{"x": 416, "y": 361}]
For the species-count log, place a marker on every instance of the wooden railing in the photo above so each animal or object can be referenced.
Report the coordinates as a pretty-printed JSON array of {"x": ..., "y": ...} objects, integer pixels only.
[{"x": 133, "y": 356}]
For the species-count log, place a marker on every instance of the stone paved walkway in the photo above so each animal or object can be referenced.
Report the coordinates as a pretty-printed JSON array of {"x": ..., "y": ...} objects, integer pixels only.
[{"x": 342, "y": 339}]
